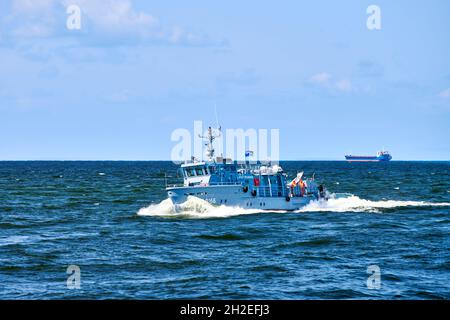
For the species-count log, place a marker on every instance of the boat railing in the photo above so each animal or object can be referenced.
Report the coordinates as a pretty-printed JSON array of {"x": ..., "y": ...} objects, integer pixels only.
[
  {"x": 178, "y": 185},
  {"x": 261, "y": 191},
  {"x": 236, "y": 183},
  {"x": 274, "y": 191},
  {"x": 174, "y": 185}
]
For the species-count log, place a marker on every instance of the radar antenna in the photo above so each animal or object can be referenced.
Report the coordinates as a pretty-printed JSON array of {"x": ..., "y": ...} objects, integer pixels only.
[{"x": 213, "y": 134}]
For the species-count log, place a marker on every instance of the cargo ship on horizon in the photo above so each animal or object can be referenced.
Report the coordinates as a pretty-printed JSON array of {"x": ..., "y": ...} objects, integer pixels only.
[{"x": 382, "y": 156}]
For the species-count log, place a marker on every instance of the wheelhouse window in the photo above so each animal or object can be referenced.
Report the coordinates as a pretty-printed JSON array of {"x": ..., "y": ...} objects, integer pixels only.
[
  {"x": 199, "y": 171},
  {"x": 190, "y": 172}
]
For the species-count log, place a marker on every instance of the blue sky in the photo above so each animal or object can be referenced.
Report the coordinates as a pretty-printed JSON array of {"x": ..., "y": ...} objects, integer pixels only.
[{"x": 137, "y": 70}]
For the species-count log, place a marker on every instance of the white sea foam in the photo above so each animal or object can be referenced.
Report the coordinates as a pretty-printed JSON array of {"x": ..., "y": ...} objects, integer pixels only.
[
  {"x": 195, "y": 208},
  {"x": 353, "y": 203},
  {"x": 19, "y": 240},
  {"x": 198, "y": 208}
]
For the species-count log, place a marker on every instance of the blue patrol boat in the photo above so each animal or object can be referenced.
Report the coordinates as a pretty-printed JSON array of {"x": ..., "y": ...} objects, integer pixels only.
[
  {"x": 382, "y": 156},
  {"x": 222, "y": 181}
]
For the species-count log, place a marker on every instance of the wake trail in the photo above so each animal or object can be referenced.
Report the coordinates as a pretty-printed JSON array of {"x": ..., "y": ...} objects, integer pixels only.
[
  {"x": 352, "y": 203},
  {"x": 198, "y": 208}
]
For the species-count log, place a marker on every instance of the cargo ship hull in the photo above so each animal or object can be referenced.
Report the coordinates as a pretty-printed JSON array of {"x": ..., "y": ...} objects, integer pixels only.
[{"x": 380, "y": 157}]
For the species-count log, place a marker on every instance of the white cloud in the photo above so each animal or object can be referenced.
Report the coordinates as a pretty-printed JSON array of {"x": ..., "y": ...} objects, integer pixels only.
[
  {"x": 32, "y": 31},
  {"x": 32, "y": 7},
  {"x": 344, "y": 85},
  {"x": 110, "y": 22},
  {"x": 445, "y": 94},
  {"x": 322, "y": 79},
  {"x": 30, "y": 18},
  {"x": 114, "y": 14},
  {"x": 325, "y": 80},
  {"x": 179, "y": 35}
]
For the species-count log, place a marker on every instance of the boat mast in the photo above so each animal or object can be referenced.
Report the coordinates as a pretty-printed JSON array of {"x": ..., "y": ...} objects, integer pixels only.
[{"x": 210, "y": 137}]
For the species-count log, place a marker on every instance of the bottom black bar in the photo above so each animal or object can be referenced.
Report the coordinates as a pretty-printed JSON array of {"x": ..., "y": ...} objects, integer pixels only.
[{"x": 226, "y": 309}]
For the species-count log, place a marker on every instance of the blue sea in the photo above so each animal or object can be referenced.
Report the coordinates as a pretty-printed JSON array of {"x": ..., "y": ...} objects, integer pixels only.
[{"x": 113, "y": 222}]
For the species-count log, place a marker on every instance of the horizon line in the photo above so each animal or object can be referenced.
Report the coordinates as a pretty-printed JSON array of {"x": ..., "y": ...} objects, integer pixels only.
[{"x": 156, "y": 160}]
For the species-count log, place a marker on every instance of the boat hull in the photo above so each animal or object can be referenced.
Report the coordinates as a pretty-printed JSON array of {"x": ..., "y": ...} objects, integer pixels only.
[
  {"x": 367, "y": 159},
  {"x": 234, "y": 195}
]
